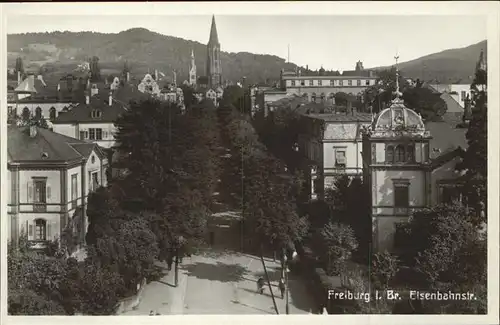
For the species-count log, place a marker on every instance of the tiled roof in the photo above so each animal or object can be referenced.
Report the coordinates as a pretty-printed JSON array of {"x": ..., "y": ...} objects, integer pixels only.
[
  {"x": 83, "y": 113},
  {"x": 360, "y": 73},
  {"x": 445, "y": 138},
  {"x": 56, "y": 147}
]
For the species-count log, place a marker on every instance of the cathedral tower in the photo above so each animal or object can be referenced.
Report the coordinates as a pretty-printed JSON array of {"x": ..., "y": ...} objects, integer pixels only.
[
  {"x": 192, "y": 71},
  {"x": 214, "y": 71}
]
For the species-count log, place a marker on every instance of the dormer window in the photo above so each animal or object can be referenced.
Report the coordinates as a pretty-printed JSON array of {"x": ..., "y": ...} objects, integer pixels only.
[
  {"x": 96, "y": 113},
  {"x": 45, "y": 155}
]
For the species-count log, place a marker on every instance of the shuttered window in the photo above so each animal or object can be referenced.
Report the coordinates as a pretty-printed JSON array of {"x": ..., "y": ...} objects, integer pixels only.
[{"x": 340, "y": 159}]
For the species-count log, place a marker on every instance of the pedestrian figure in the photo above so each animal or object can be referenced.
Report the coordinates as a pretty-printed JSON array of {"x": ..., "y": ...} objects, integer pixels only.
[
  {"x": 260, "y": 285},
  {"x": 281, "y": 285},
  {"x": 151, "y": 313}
]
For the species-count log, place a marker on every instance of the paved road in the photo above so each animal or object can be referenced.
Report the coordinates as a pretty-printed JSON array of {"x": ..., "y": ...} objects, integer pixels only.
[{"x": 222, "y": 283}]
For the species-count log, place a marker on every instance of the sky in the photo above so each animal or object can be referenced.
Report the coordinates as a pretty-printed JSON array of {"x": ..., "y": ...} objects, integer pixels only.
[{"x": 332, "y": 41}]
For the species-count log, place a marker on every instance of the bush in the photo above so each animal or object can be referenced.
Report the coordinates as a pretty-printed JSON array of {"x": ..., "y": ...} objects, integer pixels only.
[
  {"x": 384, "y": 267},
  {"x": 337, "y": 244}
]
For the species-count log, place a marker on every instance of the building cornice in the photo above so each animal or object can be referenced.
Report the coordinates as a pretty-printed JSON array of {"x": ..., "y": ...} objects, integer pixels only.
[{"x": 45, "y": 165}]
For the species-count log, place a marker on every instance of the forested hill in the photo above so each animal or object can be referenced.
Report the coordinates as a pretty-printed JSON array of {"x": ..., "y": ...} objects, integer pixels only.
[
  {"x": 449, "y": 66},
  {"x": 61, "y": 52},
  {"x": 143, "y": 49}
]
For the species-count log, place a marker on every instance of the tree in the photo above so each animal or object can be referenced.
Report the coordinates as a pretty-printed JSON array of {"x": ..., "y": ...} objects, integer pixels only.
[
  {"x": 425, "y": 102},
  {"x": 131, "y": 251},
  {"x": 337, "y": 242},
  {"x": 19, "y": 67},
  {"x": 95, "y": 70},
  {"x": 384, "y": 267},
  {"x": 171, "y": 165},
  {"x": 475, "y": 161}
]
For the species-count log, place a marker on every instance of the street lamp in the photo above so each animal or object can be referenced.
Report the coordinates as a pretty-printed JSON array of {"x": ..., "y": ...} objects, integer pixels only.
[{"x": 177, "y": 245}]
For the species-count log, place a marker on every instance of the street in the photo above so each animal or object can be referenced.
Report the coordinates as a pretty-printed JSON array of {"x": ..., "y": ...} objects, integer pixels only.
[{"x": 222, "y": 283}]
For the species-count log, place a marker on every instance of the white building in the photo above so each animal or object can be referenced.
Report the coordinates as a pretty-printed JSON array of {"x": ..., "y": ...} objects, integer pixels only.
[
  {"x": 49, "y": 178},
  {"x": 94, "y": 120},
  {"x": 332, "y": 145}
]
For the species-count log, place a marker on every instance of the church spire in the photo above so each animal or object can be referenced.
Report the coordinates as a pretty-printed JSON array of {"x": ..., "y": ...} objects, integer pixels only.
[{"x": 214, "y": 39}]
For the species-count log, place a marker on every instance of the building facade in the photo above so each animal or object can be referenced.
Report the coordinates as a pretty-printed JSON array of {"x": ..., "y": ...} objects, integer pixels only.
[
  {"x": 50, "y": 177},
  {"x": 332, "y": 145},
  {"x": 322, "y": 86}
]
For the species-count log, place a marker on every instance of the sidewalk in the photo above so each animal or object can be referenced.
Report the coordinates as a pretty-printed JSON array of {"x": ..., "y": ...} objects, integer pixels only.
[{"x": 162, "y": 297}]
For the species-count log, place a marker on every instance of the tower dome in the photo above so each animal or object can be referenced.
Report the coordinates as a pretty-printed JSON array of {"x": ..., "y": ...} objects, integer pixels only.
[{"x": 397, "y": 119}]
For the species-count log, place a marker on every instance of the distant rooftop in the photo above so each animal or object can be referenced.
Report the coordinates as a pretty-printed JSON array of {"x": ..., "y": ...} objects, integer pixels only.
[{"x": 342, "y": 117}]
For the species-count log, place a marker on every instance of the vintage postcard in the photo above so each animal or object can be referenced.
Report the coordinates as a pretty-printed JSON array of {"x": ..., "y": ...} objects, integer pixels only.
[{"x": 164, "y": 162}]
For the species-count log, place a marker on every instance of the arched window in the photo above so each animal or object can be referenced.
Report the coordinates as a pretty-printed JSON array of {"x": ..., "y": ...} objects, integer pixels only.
[
  {"x": 389, "y": 154},
  {"x": 38, "y": 112},
  {"x": 52, "y": 113},
  {"x": 40, "y": 229},
  {"x": 410, "y": 153},
  {"x": 399, "y": 154}
]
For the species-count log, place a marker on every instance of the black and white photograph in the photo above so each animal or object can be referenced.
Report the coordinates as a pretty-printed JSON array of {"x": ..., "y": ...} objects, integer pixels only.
[{"x": 180, "y": 159}]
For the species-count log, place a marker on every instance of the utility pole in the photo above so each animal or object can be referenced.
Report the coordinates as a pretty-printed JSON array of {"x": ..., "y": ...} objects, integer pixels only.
[{"x": 268, "y": 282}]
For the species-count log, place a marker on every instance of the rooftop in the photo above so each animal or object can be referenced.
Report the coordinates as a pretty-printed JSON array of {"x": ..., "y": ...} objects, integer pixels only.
[
  {"x": 45, "y": 146},
  {"x": 342, "y": 117},
  {"x": 83, "y": 113}
]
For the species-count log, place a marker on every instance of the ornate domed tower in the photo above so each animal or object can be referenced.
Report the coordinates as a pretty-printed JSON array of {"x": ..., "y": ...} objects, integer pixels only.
[
  {"x": 396, "y": 156},
  {"x": 214, "y": 69}
]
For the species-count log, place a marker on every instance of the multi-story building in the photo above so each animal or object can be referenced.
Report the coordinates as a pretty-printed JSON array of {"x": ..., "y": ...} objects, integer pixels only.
[
  {"x": 50, "y": 177},
  {"x": 322, "y": 86},
  {"x": 332, "y": 144},
  {"x": 408, "y": 165}
]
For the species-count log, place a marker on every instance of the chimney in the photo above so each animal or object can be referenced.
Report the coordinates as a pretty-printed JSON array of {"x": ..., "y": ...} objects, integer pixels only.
[
  {"x": 156, "y": 75},
  {"x": 33, "y": 131},
  {"x": 87, "y": 98},
  {"x": 110, "y": 98},
  {"x": 128, "y": 76},
  {"x": 18, "y": 78}
]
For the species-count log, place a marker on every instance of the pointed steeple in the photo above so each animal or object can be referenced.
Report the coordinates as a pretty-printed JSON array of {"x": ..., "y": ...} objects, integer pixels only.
[{"x": 214, "y": 39}]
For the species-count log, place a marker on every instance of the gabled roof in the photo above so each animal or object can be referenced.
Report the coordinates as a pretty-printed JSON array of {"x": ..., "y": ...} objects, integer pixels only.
[
  {"x": 452, "y": 106},
  {"x": 82, "y": 113},
  {"x": 45, "y": 146}
]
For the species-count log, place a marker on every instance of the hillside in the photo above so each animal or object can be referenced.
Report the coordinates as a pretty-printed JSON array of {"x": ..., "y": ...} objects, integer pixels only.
[
  {"x": 447, "y": 66},
  {"x": 61, "y": 52}
]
